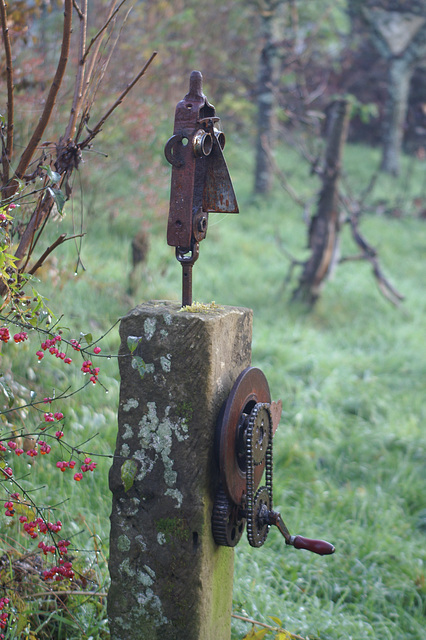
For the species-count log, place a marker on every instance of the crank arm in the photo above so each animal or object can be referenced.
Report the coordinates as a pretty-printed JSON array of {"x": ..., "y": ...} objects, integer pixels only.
[{"x": 321, "y": 547}]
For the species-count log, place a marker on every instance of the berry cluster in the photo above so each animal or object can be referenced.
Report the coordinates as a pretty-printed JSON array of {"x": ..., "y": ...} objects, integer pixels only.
[
  {"x": 50, "y": 346},
  {"x": 7, "y": 471},
  {"x": 20, "y": 337},
  {"x": 87, "y": 466},
  {"x": 88, "y": 368},
  {"x": 10, "y": 508},
  {"x": 44, "y": 447},
  {"x": 63, "y": 465},
  {"x": 4, "y": 334},
  {"x": 13, "y": 445},
  {"x": 51, "y": 417},
  {"x": 34, "y": 527},
  {"x": 62, "y": 547},
  {"x": 60, "y": 571},
  {"x": 3, "y": 615}
]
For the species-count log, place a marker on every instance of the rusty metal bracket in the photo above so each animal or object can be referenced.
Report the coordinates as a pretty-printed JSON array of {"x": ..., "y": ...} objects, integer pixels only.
[{"x": 200, "y": 179}]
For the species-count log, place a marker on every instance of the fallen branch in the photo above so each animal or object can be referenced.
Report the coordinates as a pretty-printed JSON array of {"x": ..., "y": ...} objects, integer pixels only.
[
  {"x": 369, "y": 253},
  {"x": 267, "y": 626}
]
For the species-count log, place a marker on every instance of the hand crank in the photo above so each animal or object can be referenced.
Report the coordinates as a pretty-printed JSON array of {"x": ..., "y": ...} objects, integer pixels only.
[{"x": 321, "y": 547}]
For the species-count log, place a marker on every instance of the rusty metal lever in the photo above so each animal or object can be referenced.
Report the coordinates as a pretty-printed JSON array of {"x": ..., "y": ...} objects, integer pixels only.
[
  {"x": 200, "y": 179},
  {"x": 321, "y": 547}
]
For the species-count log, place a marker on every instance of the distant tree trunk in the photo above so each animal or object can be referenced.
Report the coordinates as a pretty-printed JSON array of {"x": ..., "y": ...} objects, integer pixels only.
[
  {"x": 398, "y": 30},
  {"x": 400, "y": 74},
  {"x": 325, "y": 225},
  {"x": 265, "y": 99}
]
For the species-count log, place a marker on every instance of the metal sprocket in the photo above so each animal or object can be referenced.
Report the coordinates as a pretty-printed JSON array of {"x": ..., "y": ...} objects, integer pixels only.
[
  {"x": 260, "y": 425},
  {"x": 257, "y": 528}
]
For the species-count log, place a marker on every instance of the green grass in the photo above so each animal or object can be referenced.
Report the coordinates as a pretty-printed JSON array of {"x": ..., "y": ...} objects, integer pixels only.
[{"x": 350, "y": 450}]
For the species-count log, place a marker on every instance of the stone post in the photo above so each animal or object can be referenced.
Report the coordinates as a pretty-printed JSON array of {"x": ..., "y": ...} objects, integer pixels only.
[{"x": 169, "y": 579}]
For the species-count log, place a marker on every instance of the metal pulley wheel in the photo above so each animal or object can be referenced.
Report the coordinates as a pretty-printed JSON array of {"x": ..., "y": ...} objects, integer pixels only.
[{"x": 250, "y": 388}]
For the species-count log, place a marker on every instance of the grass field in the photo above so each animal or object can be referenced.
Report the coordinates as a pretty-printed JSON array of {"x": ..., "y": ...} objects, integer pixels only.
[{"x": 350, "y": 450}]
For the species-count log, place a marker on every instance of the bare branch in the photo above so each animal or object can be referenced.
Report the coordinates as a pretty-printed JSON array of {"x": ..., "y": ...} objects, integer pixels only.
[
  {"x": 369, "y": 253},
  {"x": 87, "y": 99},
  {"x": 293, "y": 636},
  {"x": 7, "y": 153},
  {"x": 78, "y": 87},
  {"x": 39, "y": 215},
  {"x": 62, "y": 238},
  {"x": 113, "y": 13},
  {"x": 51, "y": 98},
  {"x": 77, "y": 8},
  {"x": 281, "y": 175},
  {"x": 117, "y": 103}
]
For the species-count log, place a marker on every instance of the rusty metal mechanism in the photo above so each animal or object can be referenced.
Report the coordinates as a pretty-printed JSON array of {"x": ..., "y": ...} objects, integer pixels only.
[
  {"x": 244, "y": 438},
  {"x": 200, "y": 179}
]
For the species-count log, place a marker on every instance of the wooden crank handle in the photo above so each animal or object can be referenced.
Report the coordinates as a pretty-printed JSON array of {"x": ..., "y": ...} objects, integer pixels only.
[{"x": 321, "y": 547}]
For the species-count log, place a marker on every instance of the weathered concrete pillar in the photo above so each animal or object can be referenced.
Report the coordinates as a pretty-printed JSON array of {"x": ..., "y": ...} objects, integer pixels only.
[{"x": 168, "y": 578}]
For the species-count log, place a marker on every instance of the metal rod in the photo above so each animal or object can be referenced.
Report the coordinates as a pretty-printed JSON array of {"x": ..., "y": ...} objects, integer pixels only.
[
  {"x": 186, "y": 284},
  {"x": 187, "y": 259}
]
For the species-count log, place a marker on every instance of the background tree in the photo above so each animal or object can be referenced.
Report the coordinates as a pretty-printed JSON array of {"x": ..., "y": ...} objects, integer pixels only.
[
  {"x": 265, "y": 92},
  {"x": 398, "y": 31}
]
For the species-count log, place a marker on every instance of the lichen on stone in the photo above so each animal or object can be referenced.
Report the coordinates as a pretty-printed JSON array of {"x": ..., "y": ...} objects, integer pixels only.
[
  {"x": 156, "y": 441},
  {"x": 123, "y": 543},
  {"x": 149, "y": 327},
  {"x": 131, "y": 403},
  {"x": 125, "y": 450},
  {"x": 165, "y": 362},
  {"x": 128, "y": 432}
]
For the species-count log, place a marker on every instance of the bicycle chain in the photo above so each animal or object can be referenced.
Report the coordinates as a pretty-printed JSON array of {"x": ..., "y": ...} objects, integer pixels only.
[{"x": 257, "y": 531}]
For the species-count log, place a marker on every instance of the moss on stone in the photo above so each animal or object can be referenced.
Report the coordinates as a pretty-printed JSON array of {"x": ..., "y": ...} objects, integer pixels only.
[
  {"x": 185, "y": 411},
  {"x": 173, "y": 528},
  {"x": 201, "y": 307}
]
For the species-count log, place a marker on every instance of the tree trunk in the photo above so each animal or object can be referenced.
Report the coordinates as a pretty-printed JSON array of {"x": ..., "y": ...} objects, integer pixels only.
[
  {"x": 400, "y": 74},
  {"x": 325, "y": 225},
  {"x": 265, "y": 101}
]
